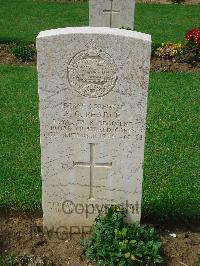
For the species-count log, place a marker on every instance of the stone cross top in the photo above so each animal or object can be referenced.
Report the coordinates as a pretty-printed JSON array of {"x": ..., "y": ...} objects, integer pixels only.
[
  {"x": 92, "y": 165},
  {"x": 112, "y": 13}
]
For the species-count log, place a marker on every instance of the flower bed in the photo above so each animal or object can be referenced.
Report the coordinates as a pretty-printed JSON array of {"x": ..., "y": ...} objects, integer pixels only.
[{"x": 188, "y": 52}]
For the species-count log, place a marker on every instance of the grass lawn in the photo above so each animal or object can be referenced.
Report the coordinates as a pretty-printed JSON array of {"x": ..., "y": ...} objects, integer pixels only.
[
  {"x": 23, "y": 19},
  {"x": 20, "y": 182},
  {"x": 171, "y": 185}
]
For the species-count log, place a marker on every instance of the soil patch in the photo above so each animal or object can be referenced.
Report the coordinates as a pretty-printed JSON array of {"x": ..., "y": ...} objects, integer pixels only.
[
  {"x": 22, "y": 234},
  {"x": 157, "y": 64}
]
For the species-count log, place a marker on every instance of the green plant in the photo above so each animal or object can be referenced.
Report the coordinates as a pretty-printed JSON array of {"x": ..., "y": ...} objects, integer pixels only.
[
  {"x": 113, "y": 242},
  {"x": 24, "y": 52},
  {"x": 7, "y": 260}
]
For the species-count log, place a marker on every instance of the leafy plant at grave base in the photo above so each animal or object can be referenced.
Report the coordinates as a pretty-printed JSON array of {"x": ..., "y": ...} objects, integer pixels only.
[
  {"x": 113, "y": 242},
  {"x": 23, "y": 51},
  {"x": 169, "y": 50},
  {"x": 7, "y": 260},
  {"x": 192, "y": 38}
]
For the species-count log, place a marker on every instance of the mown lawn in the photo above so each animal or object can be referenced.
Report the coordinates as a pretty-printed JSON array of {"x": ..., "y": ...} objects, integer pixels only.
[
  {"x": 22, "y": 20},
  {"x": 171, "y": 183}
]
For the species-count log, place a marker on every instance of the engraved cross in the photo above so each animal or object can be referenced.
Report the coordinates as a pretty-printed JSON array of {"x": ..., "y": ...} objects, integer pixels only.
[
  {"x": 92, "y": 165},
  {"x": 111, "y": 12}
]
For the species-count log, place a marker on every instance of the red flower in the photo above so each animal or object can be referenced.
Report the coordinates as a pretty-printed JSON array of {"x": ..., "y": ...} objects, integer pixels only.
[{"x": 193, "y": 35}]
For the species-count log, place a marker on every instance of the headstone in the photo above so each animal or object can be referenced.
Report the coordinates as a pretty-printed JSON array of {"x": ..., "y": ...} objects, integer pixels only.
[
  {"x": 93, "y": 85},
  {"x": 112, "y": 13}
]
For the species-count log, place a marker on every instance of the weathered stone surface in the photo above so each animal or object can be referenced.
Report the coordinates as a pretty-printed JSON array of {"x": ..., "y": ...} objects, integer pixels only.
[
  {"x": 93, "y": 86},
  {"x": 112, "y": 13}
]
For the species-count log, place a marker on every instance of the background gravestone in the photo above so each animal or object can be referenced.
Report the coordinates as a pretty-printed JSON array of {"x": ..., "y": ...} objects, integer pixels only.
[
  {"x": 93, "y": 101},
  {"x": 112, "y": 13}
]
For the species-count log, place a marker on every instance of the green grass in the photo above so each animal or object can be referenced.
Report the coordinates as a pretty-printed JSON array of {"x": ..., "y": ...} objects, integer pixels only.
[
  {"x": 22, "y": 20},
  {"x": 171, "y": 183},
  {"x": 166, "y": 22},
  {"x": 20, "y": 182}
]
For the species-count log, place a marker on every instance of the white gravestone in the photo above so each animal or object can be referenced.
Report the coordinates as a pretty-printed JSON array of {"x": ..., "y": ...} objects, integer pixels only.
[
  {"x": 93, "y": 85},
  {"x": 112, "y": 13}
]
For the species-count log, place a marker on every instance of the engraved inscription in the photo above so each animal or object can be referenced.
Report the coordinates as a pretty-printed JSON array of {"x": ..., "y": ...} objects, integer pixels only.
[
  {"x": 92, "y": 165},
  {"x": 92, "y": 121},
  {"x": 92, "y": 73}
]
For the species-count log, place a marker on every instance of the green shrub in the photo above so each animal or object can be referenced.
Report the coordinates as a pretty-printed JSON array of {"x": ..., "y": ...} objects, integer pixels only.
[
  {"x": 7, "y": 260},
  {"x": 113, "y": 242},
  {"x": 24, "y": 52}
]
